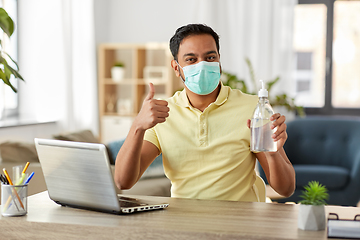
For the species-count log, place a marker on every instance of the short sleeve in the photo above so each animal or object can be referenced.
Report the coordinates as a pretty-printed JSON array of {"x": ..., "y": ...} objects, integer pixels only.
[{"x": 151, "y": 136}]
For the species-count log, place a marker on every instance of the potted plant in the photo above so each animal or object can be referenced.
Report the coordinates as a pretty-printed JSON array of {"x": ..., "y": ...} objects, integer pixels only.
[
  {"x": 281, "y": 100},
  {"x": 6, "y": 71},
  {"x": 311, "y": 215},
  {"x": 118, "y": 71}
]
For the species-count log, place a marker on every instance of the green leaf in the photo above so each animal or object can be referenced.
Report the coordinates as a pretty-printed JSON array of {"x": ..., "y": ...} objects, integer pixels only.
[
  {"x": 8, "y": 69},
  {"x": 232, "y": 81},
  {"x": 271, "y": 83},
  {"x": 6, "y": 80},
  {"x": 6, "y": 23},
  {"x": 14, "y": 72},
  {"x": 314, "y": 194},
  {"x": 17, "y": 67},
  {"x": 252, "y": 73}
]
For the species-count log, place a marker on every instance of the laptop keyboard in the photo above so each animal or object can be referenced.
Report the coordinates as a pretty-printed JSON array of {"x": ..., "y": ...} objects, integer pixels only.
[{"x": 130, "y": 202}]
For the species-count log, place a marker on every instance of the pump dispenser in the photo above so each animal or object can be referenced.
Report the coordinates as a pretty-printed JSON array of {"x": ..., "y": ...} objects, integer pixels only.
[
  {"x": 261, "y": 140},
  {"x": 263, "y": 92}
]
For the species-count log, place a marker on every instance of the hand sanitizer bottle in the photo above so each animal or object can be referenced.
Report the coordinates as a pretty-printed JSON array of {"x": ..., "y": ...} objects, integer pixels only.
[{"x": 261, "y": 140}]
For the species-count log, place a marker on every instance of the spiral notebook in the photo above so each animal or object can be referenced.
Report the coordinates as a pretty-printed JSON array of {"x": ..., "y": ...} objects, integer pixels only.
[{"x": 343, "y": 228}]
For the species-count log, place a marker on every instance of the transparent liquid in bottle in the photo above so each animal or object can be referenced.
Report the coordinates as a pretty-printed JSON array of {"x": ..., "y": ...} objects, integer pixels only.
[{"x": 261, "y": 132}]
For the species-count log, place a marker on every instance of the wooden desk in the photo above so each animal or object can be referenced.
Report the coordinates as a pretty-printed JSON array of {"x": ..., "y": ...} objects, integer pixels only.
[{"x": 183, "y": 219}]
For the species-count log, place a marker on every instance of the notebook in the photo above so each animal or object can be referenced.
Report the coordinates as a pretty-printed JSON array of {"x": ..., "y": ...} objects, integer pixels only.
[
  {"x": 79, "y": 175},
  {"x": 343, "y": 228}
]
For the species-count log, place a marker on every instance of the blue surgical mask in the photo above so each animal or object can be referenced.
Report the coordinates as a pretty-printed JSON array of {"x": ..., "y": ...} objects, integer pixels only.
[{"x": 202, "y": 78}]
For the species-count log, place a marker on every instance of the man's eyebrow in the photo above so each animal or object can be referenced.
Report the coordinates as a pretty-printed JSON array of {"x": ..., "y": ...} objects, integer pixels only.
[
  {"x": 193, "y": 54},
  {"x": 211, "y": 52},
  {"x": 189, "y": 54}
]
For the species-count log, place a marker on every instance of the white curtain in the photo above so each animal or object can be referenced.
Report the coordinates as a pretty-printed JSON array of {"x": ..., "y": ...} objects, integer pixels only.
[
  {"x": 57, "y": 59},
  {"x": 81, "y": 103},
  {"x": 258, "y": 29}
]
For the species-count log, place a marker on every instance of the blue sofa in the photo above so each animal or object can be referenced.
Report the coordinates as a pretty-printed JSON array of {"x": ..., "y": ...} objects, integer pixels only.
[{"x": 327, "y": 150}]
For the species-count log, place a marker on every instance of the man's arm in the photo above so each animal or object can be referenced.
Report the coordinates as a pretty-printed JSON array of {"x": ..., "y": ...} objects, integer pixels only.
[
  {"x": 276, "y": 165},
  {"x": 136, "y": 155}
]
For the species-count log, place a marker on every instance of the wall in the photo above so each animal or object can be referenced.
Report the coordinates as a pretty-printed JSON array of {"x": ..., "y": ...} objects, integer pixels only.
[
  {"x": 41, "y": 47},
  {"x": 27, "y": 133},
  {"x": 40, "y": 50},
  {"x": 141, "y": 21}
]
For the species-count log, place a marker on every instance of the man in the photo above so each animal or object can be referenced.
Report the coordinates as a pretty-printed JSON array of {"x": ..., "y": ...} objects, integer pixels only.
[{"x": 203, "y": 131}]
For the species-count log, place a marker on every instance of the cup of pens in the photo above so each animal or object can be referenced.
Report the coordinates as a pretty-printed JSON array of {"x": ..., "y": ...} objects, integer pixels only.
[
  {"x": 13, "y": 200},
  {"x": 14, "y": 196}
]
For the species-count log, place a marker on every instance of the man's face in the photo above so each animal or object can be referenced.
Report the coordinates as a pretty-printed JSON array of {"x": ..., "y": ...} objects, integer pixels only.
[{"x": 194, "y": 49}]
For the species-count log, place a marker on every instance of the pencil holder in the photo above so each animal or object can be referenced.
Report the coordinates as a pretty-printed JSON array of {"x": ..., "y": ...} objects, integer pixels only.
[{"x": 13, "y": 200}]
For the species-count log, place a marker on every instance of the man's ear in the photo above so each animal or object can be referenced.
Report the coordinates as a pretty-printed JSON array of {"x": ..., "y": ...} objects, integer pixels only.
[{"x": 175, "y": 66}]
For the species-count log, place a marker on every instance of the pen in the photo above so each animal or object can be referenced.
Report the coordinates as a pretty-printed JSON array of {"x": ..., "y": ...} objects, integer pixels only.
[
  {"x": 29, "y": 178},
  {"x": 25, "y": 182},
  {"x": 2, "y": 179},
  {"x": 10, "y": 182},
  {"x": 23, "y": 175},
  {"x": 5, "y": 181}
]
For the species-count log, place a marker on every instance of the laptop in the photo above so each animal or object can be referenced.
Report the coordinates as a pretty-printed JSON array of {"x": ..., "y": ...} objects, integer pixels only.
[{"x": 79, "y": 175}]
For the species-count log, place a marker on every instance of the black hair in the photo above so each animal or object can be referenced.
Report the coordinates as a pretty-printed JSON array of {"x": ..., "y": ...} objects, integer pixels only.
[{"x": 187, "y": 30}]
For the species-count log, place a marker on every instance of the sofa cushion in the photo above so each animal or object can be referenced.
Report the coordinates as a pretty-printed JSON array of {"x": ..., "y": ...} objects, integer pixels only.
[
  {"x": 85, "y": 136},
  {"x": 21, "y": 152},
  {"x": 155, "y": 169},
  {"x": 80, "y": 136},
  {"x": 332, "y": 177}
]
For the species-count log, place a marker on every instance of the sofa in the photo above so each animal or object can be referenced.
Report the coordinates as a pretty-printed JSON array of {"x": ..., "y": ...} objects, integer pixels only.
[
  {"x": 152, "y": 183},
  {"x": 327, "y": 150}
]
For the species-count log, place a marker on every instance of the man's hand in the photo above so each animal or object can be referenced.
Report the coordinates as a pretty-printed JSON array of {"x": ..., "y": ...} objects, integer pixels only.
[
  {"x": 276, "y": 165},
  {"x": 152, "y": 111},
  {"x": 280, "y": 135}
]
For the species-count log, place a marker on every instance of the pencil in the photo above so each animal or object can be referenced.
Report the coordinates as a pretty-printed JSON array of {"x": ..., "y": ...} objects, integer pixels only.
[
  {"x": 10, "y": 182},
  {"x": 25, "y": 168}
]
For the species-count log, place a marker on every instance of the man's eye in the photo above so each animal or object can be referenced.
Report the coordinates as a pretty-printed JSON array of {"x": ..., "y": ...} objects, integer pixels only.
[
  {"x": 190, "y": 60},
  {"x": 211, "y": 58}
]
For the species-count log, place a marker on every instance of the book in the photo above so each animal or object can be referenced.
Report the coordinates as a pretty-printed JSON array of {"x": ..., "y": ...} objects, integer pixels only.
[{"x": 343, "y": 228}]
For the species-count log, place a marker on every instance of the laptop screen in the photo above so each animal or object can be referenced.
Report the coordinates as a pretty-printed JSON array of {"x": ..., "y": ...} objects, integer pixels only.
[{"x": 78, "y": 174}]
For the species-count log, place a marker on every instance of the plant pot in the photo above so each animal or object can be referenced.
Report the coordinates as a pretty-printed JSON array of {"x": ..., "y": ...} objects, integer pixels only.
[
  {"x": 117, "y": 73},
  {"x": 311, "y": 217}
]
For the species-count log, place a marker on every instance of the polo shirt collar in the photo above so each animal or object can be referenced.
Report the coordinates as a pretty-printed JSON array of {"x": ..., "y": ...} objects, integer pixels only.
[{"x": 183, "y": 100}]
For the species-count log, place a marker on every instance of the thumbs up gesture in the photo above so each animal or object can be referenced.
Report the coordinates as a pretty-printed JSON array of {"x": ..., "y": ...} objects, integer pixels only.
[{"x": 153, "y": 111}]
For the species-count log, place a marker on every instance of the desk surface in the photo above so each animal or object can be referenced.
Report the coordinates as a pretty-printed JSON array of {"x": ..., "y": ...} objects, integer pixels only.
[{"x": 183, "y": 219}]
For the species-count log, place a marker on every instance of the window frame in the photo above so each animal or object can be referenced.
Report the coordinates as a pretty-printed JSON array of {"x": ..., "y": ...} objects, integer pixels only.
[{"x": 328, "y": 109}]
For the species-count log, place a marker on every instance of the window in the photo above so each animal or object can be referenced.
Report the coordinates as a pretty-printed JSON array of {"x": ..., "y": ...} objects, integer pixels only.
[
  {"x": 9, "y": 99},
  {"x": 304, "y": 71},
  {"x": 346, "y": 55},
  {"x": 327, "y": 48}
]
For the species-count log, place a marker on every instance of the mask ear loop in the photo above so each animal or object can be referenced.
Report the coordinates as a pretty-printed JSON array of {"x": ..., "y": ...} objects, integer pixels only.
[{"x": 180, "y": 71}]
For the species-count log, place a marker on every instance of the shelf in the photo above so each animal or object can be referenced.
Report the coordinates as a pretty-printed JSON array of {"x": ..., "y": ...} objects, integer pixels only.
[
  {"x": 128, "y": 81},
  {"x": 144, "y": 63}
]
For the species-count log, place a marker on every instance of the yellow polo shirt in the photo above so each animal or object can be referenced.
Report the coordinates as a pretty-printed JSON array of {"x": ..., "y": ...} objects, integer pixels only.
[{"x": 206, "y": 155}]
